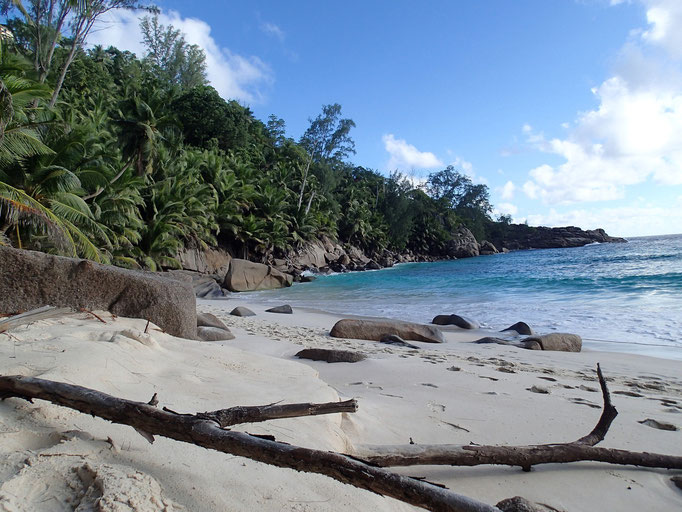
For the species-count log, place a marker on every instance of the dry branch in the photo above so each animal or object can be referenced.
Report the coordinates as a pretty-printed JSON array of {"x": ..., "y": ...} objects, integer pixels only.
[
  {"x": 583, "y": 449},
  {"x": 206, "y": 433}
]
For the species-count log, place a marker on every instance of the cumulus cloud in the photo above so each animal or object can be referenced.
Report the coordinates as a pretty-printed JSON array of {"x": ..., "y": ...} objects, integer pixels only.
[
  {"x": 404, "y": 156},
  {"x": 234, "y": 76},
  {"x": 635, "y": 133},
  {"x": 507, "y": 190},
  {"x": 506, "y": 209}
]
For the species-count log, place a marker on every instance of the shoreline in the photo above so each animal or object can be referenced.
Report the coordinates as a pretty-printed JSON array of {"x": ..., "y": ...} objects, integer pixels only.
[{"x": 671, "y": 352}]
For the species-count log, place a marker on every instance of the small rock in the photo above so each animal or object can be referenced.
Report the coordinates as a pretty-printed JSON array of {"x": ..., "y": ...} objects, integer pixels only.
[
  {"x": 677, "y": 480},
  {"x": 331, "y": 356},
  {"x": 242, "y": 311},
  {"x": 505, "y": 369},
  {"x": 376, "y": 329},
  {"x": 491, "y": 339},
  {"x": 555, "y": 341},
  {"x": 538, "y": 389},
  {"x": 519, "y": 504},
  {"x": 214, "y": 334},
  {"x": 307, "y": 279},
  {"x": 459, "y": 321},
  {"x": 285, "y": 309},
  {"x": 454, "y": 369},
  {"x": 521, "y": 328},
  {"x": 392, "y": 339},
  {"x": 660, "y": 425},
  {"x": 209, "y": 320}
]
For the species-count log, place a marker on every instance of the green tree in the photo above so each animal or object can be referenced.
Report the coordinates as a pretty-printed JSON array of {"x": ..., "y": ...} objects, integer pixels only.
[{"x": 178, "y": 62}]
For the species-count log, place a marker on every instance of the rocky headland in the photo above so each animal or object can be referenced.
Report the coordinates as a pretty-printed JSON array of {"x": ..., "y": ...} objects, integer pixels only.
[{"x": 214, "y": 271}]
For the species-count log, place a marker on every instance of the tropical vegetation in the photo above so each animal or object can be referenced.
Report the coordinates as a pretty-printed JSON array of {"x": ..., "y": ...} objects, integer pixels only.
[{"x": 128, "y": 160}]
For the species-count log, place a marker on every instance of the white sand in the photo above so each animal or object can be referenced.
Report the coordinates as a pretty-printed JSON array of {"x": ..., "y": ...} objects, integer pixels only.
[{"x": 52, "y": 458}]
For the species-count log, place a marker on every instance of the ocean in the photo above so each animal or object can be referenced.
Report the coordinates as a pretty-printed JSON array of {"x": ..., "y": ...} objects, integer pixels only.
[{"x": 618, "y": 297}]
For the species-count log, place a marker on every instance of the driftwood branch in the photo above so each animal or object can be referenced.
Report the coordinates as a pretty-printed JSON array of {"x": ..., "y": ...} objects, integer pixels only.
[
  {"x": 254, "y": 414},
  {"x": 583, "y": 449},
  {"x": 207, "y": 433}
]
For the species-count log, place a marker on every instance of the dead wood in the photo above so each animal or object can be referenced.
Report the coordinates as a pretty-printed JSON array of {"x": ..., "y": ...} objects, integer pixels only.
[
  {"x": 583, "y": 449},
  {"x": 207, "y": 433}
]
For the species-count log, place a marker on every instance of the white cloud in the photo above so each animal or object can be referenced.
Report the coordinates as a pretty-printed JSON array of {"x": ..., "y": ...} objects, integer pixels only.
[
  {"x": 507, "y": 190},
  {"x": 634, "y": 134},
  {"x": 620, "y": 221},
  {"x": 506, "y": 209},
  {"x": 233, "y": 76},
  {"x": 665, "y": 25},
  {"x": 273, "y": 30},
  {"x": 468, "y": 168},
  {"x": 404, "y": 156}
]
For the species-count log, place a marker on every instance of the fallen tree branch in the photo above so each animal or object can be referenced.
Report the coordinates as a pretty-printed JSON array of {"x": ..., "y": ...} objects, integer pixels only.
[
  {"x": 253, "y": 414},
  {"x": 583, "y": 449},
  {"x": 206, "y": 433}
]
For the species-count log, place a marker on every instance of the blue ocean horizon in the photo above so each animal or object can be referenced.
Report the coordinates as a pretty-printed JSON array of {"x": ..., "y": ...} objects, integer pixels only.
[{"x": 618, "y": 297}]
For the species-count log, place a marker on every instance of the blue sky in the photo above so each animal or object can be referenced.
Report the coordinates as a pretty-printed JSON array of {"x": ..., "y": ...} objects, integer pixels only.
[{"x": 569, "y": 110}]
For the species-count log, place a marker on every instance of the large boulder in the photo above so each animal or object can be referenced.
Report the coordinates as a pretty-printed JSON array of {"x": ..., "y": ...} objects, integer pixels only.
[
  {"x": 31, "y": 279},
  {"x": 244, "y": 276},
  {"x": 555, "y": 341},
  {"x": 487, "y": 248},
  {"x": 463, "y": 244},
  {"x": 205, "y": 260},
  {"x": 377, "y": 329},
  {"x": 205, "y": 286}
]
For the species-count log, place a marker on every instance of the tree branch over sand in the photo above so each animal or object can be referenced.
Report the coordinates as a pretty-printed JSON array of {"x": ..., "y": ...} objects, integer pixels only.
[
  {"x": 583, "y": 449},
  {"x": 204, "y": 430}
]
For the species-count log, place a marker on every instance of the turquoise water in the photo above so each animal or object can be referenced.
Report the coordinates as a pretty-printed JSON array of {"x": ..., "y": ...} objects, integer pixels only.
[{"x": 618, "y": 297}]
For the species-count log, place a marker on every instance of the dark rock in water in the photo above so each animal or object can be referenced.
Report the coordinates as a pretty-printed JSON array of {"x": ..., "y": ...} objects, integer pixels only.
[
  {"x": 331, "y": 356},
  {"x": 555, "y": 341},
  {"x": 372, "y": 265},
  {"x": 33, "y": 279},
  {"x": 307, "y": 279},
  {"x": 242, "y": 311},
  {"x": 521, "y": 328},
  {"x": 209, "y": 320},
  {"x": 392, "y": 339},
  {"x": 486, "y": 248},
  {"x": 377, "y": 329},
  {"x": 285, "y": 309},
  {"x": 459, "y": 321},
  {"x": 244, "y": 276},
  {"x": 214, "y": 334}
]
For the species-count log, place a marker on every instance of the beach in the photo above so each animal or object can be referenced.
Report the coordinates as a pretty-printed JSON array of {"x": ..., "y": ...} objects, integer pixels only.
[{"x": 55, "y": 458}]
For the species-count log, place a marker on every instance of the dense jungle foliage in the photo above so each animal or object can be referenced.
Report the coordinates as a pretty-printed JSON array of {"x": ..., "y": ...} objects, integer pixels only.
[{"x": 125, "y": 160}]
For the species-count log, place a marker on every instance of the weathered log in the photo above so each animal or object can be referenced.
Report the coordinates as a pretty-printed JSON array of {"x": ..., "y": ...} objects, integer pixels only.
[
  {"x": 583, "y": 449},
  {"x": 208, "y": 434},
  {"x": 253, "y": 414}
]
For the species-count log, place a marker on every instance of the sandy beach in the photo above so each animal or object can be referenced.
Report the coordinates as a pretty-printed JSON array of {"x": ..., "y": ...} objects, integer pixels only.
[{"x": 54, "y": 458}]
